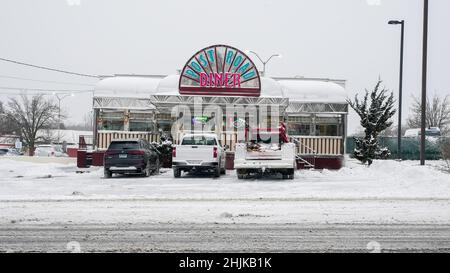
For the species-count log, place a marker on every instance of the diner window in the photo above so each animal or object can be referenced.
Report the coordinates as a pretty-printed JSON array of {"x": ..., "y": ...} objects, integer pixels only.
[
  {"x": 112, "y": 125},
  {"x": 141, "y": 126},
  {"x": 327, "y": 130},
  {"x": 295, "y": 129},
  {"x": 165, "y": 125}
]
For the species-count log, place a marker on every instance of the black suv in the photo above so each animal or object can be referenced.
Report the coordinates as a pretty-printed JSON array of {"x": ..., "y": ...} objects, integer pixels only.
[{"x": 131, "y": 157}]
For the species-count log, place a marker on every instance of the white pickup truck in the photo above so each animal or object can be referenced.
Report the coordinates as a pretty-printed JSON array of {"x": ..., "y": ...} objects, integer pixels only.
[
  {"x": 198, "y": 152},
  {"x": 260, "y": 157}
]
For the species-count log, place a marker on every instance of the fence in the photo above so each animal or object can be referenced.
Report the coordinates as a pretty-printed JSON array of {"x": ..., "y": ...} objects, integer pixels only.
[
  {"x": 104, "y": 138},
  {"x": 329, "y": 146},
  {"x": 410, "y": 147}
]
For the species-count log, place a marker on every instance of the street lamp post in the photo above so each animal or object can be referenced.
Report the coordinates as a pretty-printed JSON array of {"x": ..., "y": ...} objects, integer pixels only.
[
  {"x": 60, "y": 98},
  {"x": 424, "y": 82},
  {"x": 264, "y": 62},
  {"x": 400, "y": 90}
]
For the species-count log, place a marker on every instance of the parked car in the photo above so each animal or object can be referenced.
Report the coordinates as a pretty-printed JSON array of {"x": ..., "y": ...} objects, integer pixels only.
[
  {"x": 201, "y": 152},
  {"x": 49, "y": 151},
  {"x": 9, "y": 152},
  {"x": 131, "y": 157},
  {"x": 429, "y": 132}
]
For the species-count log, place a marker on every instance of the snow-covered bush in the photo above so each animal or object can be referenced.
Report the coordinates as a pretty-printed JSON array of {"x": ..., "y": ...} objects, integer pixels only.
[
  {"x": 375, "y": 114},
  {"x": 165, "y": 149},
  {"x": 445, "y": 151}
]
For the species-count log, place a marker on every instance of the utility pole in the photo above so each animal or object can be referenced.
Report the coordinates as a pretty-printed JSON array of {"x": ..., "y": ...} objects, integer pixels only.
[
  {"x": 400, "y": 90},
  {"x": 424, "y": 83}
]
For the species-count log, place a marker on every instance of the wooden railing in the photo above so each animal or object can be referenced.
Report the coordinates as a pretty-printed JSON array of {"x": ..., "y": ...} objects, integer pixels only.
[
  {"x": 306, "y": 145},
  {"x": 104, "y": 138},
  {"x": 314, "y": 145}
]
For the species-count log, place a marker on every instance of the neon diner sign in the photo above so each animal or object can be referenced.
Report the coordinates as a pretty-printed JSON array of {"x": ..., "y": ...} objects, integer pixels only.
[{"x": 220, "y": 70}]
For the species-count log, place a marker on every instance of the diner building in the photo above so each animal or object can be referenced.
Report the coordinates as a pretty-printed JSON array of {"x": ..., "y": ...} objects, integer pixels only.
[{"x": 141, "y": 106}]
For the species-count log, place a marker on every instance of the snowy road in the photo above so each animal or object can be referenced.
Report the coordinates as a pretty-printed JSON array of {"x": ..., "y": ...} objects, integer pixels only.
[
  {"x": 226, "y": 238},
  {"x": 400, "y": 206}
]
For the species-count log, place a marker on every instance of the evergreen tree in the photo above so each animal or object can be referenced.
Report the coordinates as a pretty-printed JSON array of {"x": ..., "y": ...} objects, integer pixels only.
[{"x": 375, "y": 114}]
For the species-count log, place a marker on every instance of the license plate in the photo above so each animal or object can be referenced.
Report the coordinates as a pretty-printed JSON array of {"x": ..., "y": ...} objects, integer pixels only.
[
  {"x": 194, "y": 162},
  {"x": 123, "y": 156}
]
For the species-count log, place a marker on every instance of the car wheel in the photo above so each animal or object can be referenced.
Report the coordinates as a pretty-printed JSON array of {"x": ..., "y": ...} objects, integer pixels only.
[
  {"x": 240, "y": 174},
  {"x": 157, "y": 167},
  {"x": 108, "y": 174},
  {"x": 176, "y": 172},
  {"x": 147, "y": 170},
  {"x": 217, "y": 171}
]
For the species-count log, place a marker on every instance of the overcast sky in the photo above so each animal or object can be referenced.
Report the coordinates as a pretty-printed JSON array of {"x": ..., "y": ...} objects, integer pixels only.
[{"x": 346, "y": 39}]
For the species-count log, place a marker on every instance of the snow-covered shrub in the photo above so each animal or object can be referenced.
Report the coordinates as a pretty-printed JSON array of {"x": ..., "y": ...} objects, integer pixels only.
[
  {"x": 445, "y": 151},
  {"x": 375, "y": 113},
  {"x": 165, "y": 149}
]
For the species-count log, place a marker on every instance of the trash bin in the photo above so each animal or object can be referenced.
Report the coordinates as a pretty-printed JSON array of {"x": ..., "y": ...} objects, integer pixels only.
[
  {"x": 229, "y": 160},
  {"x": 97, "y": 158},
  {"x": 81, "y": 159}
]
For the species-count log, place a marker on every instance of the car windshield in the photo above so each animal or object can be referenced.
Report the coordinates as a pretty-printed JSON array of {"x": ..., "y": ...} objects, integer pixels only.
[
  {"x": 199, "y": 140},
  {"x": 124, "y": 145}
]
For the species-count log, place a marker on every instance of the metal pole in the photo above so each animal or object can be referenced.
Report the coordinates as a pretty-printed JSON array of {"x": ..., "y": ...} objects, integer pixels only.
[
  {"x": 424, "y": 82},
  {"x": 59, "y": 118},
  {"x": 400, "y": 95}
]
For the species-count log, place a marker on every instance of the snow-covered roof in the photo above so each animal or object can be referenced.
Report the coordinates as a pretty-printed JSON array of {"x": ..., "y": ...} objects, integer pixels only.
[
  {"x": 168, "y": 86},
  {"x": 296, "y": 90},
  {"x": 130, "y": 86},
  {"x": 313, "y": 91}
]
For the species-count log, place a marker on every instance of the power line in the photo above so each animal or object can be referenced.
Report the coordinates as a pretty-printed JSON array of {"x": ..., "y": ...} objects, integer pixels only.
[
  {"x": 48, "y": 68},
  {"x": 44, "y": 90},
  {"x": 44, "y": 81}
]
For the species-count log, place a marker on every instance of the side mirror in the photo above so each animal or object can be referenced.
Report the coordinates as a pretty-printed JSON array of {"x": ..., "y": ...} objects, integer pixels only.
[{"x": 226, "y": 147}]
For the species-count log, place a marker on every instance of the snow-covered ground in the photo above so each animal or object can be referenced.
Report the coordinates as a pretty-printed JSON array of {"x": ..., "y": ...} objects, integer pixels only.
[
  {"x": 387, "y": 192},
  {"x": 384, "y": 180}
]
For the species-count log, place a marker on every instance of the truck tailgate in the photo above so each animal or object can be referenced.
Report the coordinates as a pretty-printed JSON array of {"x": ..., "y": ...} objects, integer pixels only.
[
  {"x": 195, "y": 155},
  {"x": 264, "y": 155}
]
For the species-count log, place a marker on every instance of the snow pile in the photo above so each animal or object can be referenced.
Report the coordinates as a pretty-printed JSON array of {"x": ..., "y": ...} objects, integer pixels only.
[
  {"x": 387, "y": 171},
  {"x": 17, "y": 169},
  {"x": 384, "y": 179}
]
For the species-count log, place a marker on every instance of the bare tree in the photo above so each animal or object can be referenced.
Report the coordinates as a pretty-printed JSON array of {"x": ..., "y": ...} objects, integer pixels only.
[
  {"x": 7, "y": 126},
  {"x": 2, "y": 119},
  {"x": 85, "y": 125},
  {"x": 437, "y": 111},
  {"x": 32, "y": 115},
  {"x": 88, "y": 121}
]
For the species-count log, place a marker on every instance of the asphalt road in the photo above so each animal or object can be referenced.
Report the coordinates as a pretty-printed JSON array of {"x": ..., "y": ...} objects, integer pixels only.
[{"x": 185, "y": 237}]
